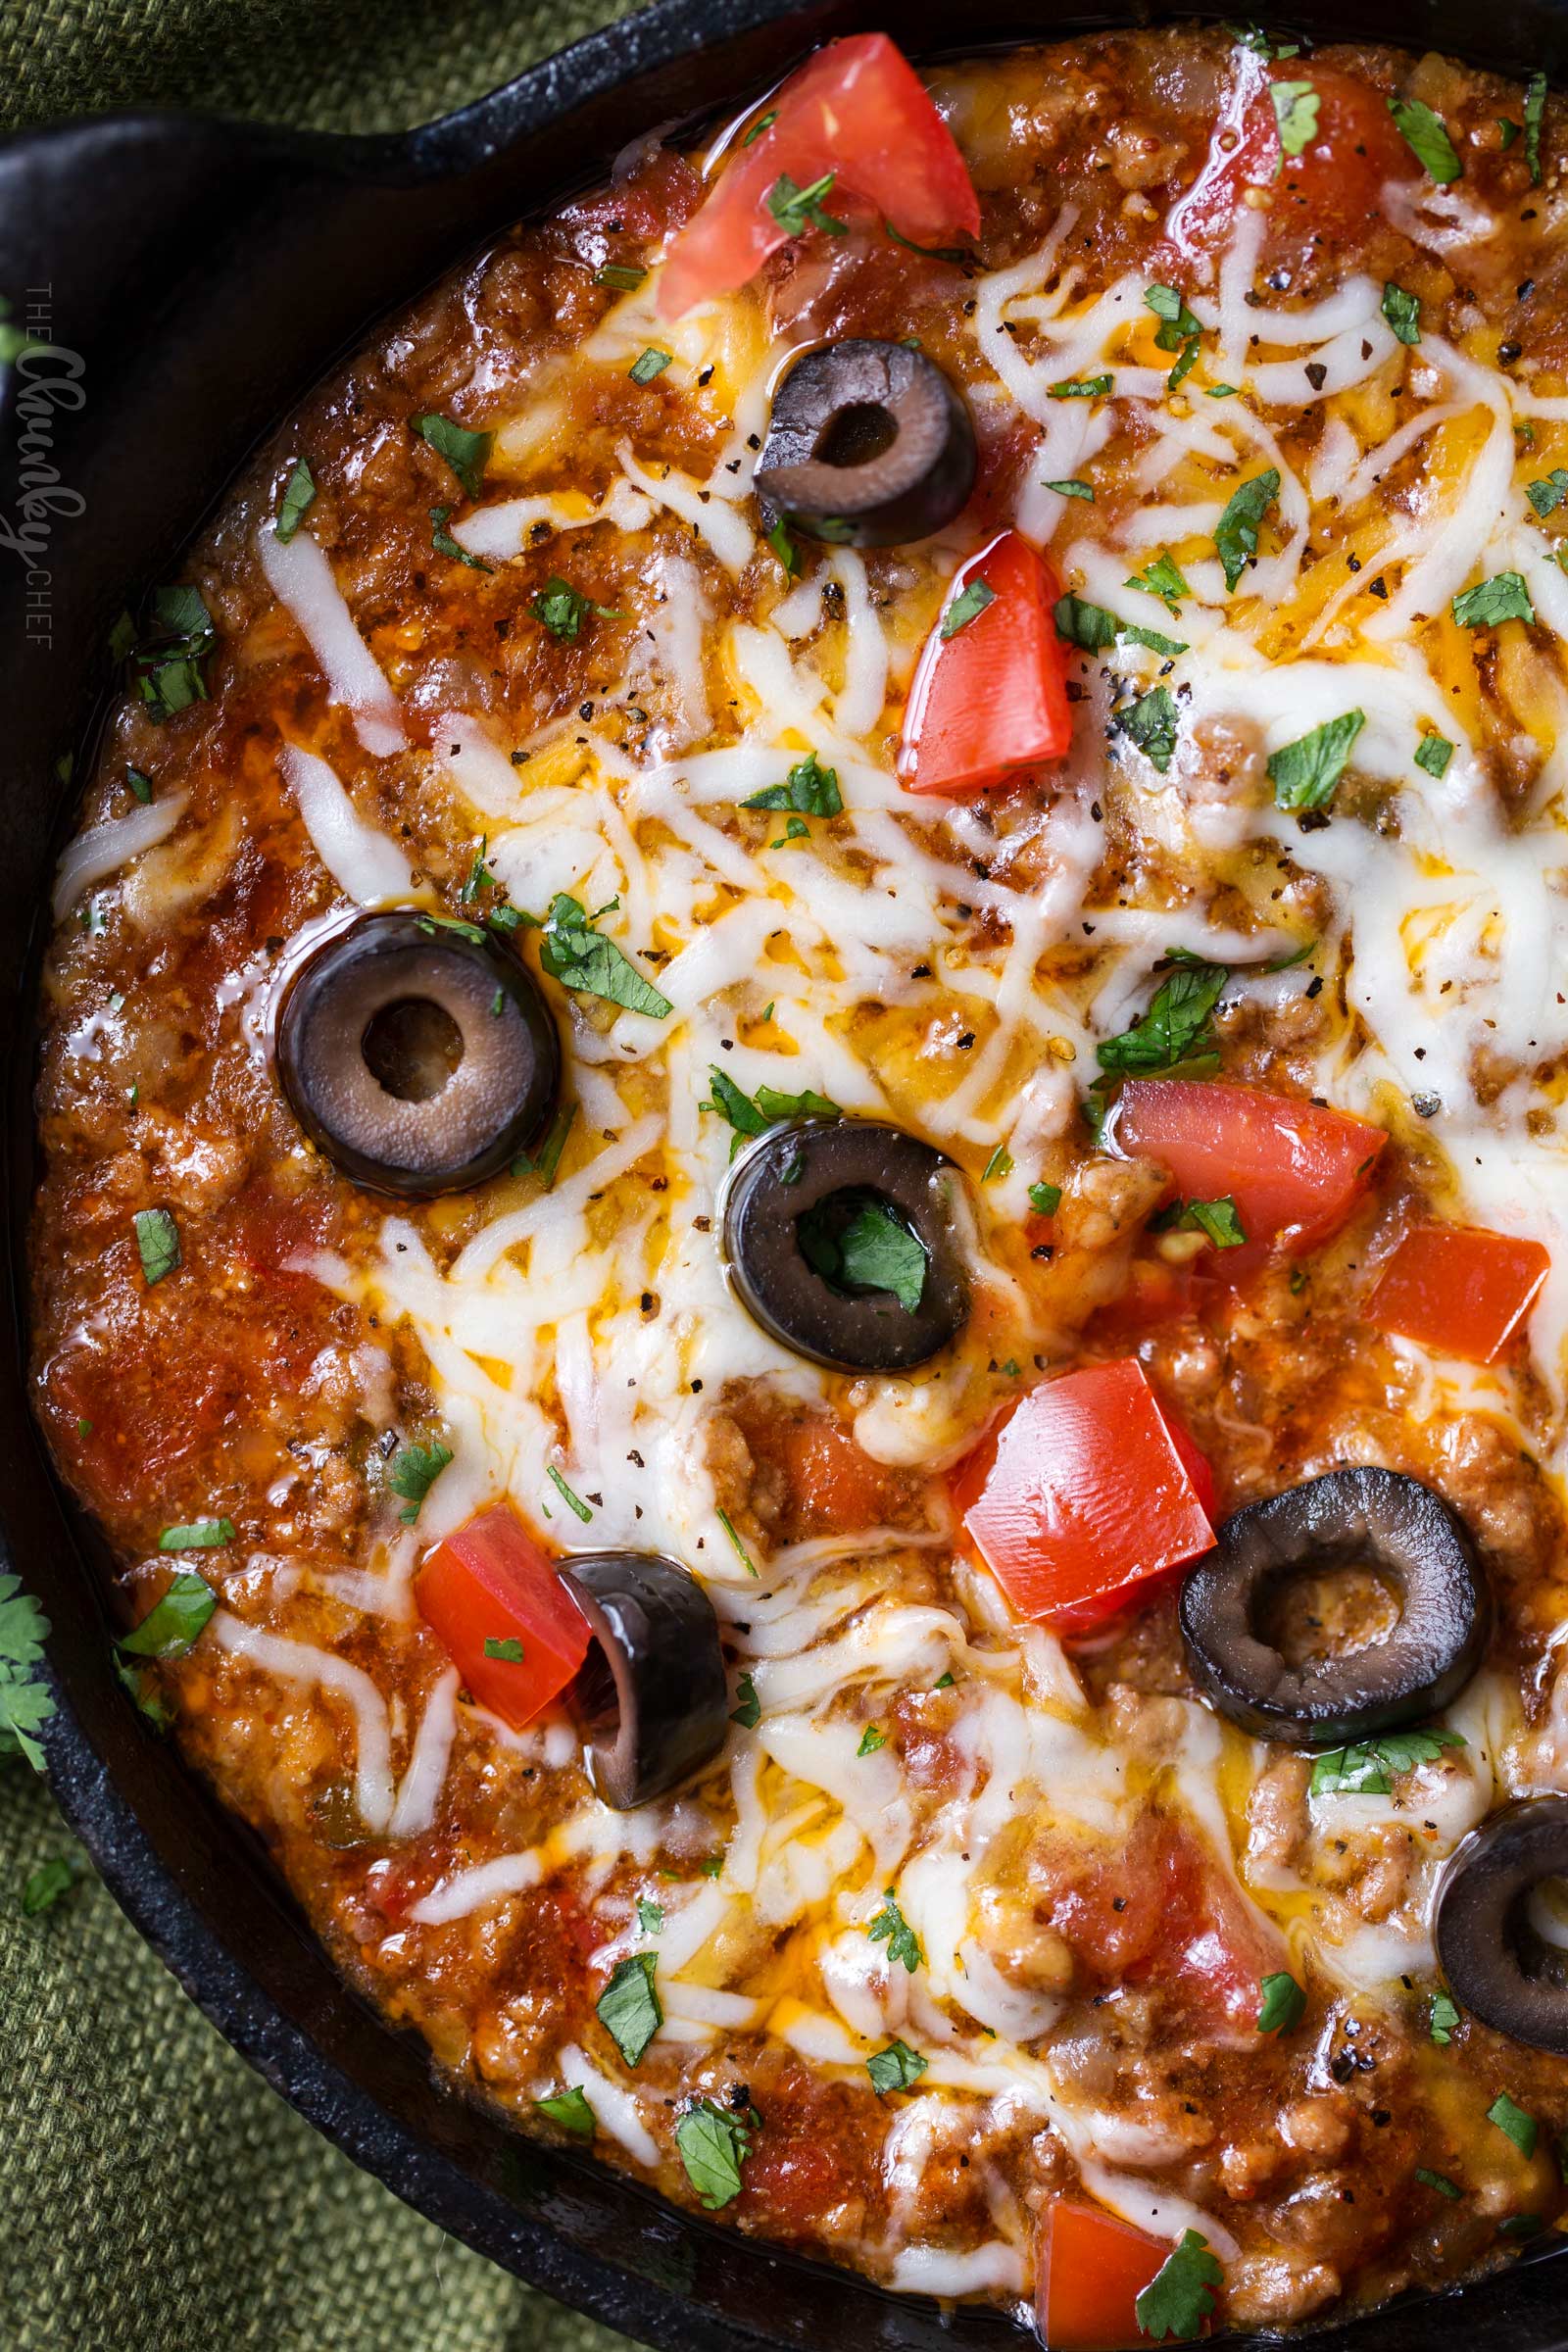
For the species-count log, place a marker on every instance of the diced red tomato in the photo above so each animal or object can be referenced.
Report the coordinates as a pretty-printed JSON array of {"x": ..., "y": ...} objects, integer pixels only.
[
  {"x": 491, "y": 1582},
  {"x": 1089, "y": 2272},
  {"x": 1156, "y": 1294},
  {"x": 991, "y": 699},
  {"x": 834, "y": 1483},
  {"x": 1082, "y": 1493},
  {"x": 1459, "y": 1290},
  {"x": 1293, "y": 1171},
  {"x": 857, "y": 110},
  {"x": 1331, "y": 188},
  {"x": 1158, "y": 1910}
]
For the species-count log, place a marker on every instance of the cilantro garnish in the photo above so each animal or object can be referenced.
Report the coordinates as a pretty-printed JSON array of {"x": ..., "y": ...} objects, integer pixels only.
[
  {"x": 1535, "y": 109},
  {"x": 873, "y": 1251},
  {"x": 967, "y": 605},
  {"x": 571, "y": 2110},
  {"x": 746, "y": 1560},
  {"x": 649, "y": 1916},
  {"x": 1548, "y": 494},
  {"x": 141, "y": 787},
  {"x": 547, "y": 1159},
  {"x": 168, "y": 659},
  {"x": 467, "y": 453},
  {"x": 1179, "y": 2298},
  {"x": 1433, "y": 752},
  {"x": 1089, "y": 387},
  {"x": 1438, "y": 2180},
  {"x": 1261, "y": 43},
  {"x": 1305, "y": 773},
  {"x": 897, "y": 2068},
  {"x": 629, "y": 2008},
  {"x": 1175, "y": 1028},
  {"x": 870, "y": 1741},
  {"x": 1151, "y": 722},
  {"x": 508, "y": 1649},
  {"x": 1504, "y": 597},
  {"x": 1283, "y": 2004},
  {"x": 1090, "y": 627},
  {"x": 649, "y": 364},
  {"x": 751, "y": 1114},
  {"x": 564, "y": 608},
  {"x": 797, "y": 209},
  {"x": 1402, "y": 311},
  {"x": 169, "y": 1629},
  {"x": 889, "y": 1926},
  {"x": 26, "y": 1706},
  {"x": 1000, "y": 1164},
  {"x": 1364, "y": 1769},
  {"x": 763, "y": 122},
  {"x": 1178, "y": 330},
  {"x": 1218, "y": 1220},
  {"x": 158, "y": 1242},
  {"x": 573, "y": 1502},
  {"x": 625, "y": 276},
  {"x": 1236, "y": 532},
  {"x": 1426, "y": 135},
  {"x": 1071, "y": 489},
  {"x": 810, "y": 788},
  {"x": 1296, "y": 105},
  {"x": 748, "y": 1714},
  {"x": 198, "y": 1534},
  {"x": 1046, "y": 1197},
  {"x": 582, "y": 959},
  {"x": 1514, "y": 2123},
  {"x": 713, "y": 2143},
  {"x": 442, "y": 541},
  {"x": 1162, "y": 580},
  {"x": 1442, "y": 2019},
  {"x": 413, "y": 1472},
  {"x": 783, "y": 545},
  {"x": 298, "y": 492}
]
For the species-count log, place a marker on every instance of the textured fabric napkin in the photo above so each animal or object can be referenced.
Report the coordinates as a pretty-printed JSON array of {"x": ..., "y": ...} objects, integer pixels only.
[{"x": 154, "y": 2195}]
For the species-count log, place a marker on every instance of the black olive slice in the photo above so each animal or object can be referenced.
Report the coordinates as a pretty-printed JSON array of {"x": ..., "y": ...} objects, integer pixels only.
[
  {"x": 649, "y": 1698},
  {"x": 419, "y": 1059},
  {"x": 869, "y": 446},
  {"x": 1416, "y": 1550},
  {"x": 1494, "y": 1954},
  {"x": 798, "y": 1210}
]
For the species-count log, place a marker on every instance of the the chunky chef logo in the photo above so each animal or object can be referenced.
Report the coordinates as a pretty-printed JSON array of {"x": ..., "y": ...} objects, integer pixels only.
[{"x": 46, "y": 384}]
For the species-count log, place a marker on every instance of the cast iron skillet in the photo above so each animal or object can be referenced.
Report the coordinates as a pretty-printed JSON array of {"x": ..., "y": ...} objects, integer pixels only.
[{"x": 206, "y": 273}]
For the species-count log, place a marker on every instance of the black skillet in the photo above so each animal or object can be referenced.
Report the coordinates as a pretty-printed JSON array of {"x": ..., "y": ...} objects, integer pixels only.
[{"x": 206, "y": 272}]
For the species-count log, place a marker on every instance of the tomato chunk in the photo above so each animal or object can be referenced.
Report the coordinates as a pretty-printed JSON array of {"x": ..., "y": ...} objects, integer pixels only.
[
  {"x": 1459, "y": 1290},
  {"x": 1329, "y": 190},
  {"x": 491, "y": 1582},
  {"x": 1295, "y": 1171},
  {"x": 1089, "y": 2272},
  {"x": 1080, "y": 1494},
  {"x": 991, "y": 699},
  {"x": 859, "y": 111}
]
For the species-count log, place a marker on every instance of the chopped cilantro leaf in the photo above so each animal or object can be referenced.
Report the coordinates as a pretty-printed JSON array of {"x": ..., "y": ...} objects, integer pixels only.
[
  {"x": 141, "y": 786},
  {"x": 1071, "y": 489},
  {"x": 1046, "y": 1197},
  {"x": 1219, "y": 1221},
  {"x": 26, "y": 1706},
  {"x": 889, "y": 1926},
  {"x": 1283, "y": 2004},
  {"x": 1443, "y": 2018},
  {"x": 571, "y": 2110},
  {"x": 1548, "y": 494},
  {"x": 583, "y": 960},
  {"x": 467, "y": 453},
  {"x": 1427, "y": 137},
  {"x": 50, "y": 1882},
  {"x": 1089, "y": 387},
  {"x": 629, "y": 2008},
  {"x": 508, "y": 1651},
  {"x": 763, "y": 122},
  {"x": 1236, "y": 532},
  {"x": 1162, "y": 580},
  {"x": 1364, "y": 1769},
  {"x": 1175, "y": 1027},
  {"x": 1305, "y": 773},
  {"x": 547, "y": 1159},
  {"x": 1296, "y": 105},
  {"x": 797, "y": 209},
  {"x": 783, "y": 545},
  {"x": 873, "y": 1251},
  {"x": 748, "y": 1563},
  {"x": 198, "y": 1534},
  {"x": 1535, "y": 109},
  {"x": 1179, "y": 2298},
  {"x": 1438, "y": 2180},
  {"x": 564, "y": 608},
  {"x": 624, "y": 276},
  {"x": 748, "y": 1714},
  {"x": 1402, "y": 311},
  {"x": 870, "y": 1741},
  {"x": 1152, "y": 723},
  {"x": 573, "y": 1502},
  {"x": 1000, "y": 1164},
  {"x": 965, "y": 606},
  {"x": 1504, "y": 597},
  {"x": 810, "y": 788},
  {"x": 649, "y": 1916},
  {"x": 298, "y": 492},
  {"x": 649, "y": 364},
  {"x": 158, "y": 1241},
  {"x": 1261, "y": 43},
  {"x": 413, "y": 1472},
  {"x": 897, "y": 2068},
  {"x": 1520, "y": 2127},
  {"x": 171, "y": 1626},
  {"x": 713, "y": 2143},
  {"x": 442, "y": 541},
  {"x": 1433, "y": 752}
]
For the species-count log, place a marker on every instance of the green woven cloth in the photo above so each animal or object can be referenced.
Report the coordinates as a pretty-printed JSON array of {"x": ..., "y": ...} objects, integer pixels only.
[
  {"x": 325, "y": 65},
  {"x": 156, "y": 2196}
]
